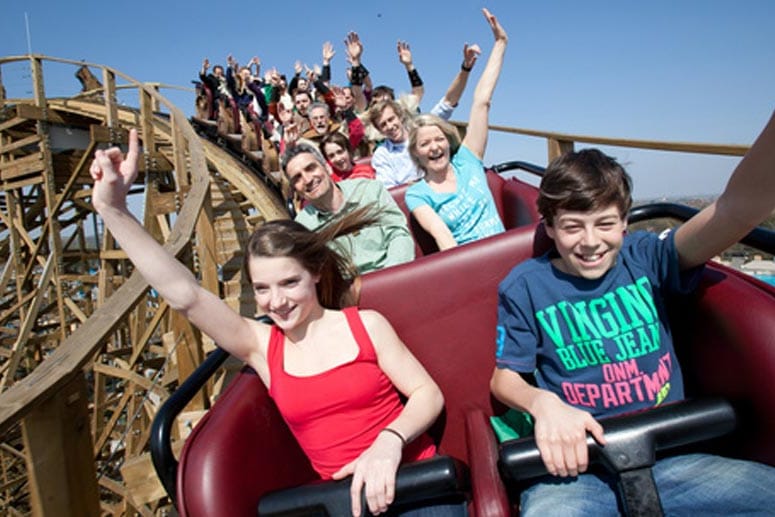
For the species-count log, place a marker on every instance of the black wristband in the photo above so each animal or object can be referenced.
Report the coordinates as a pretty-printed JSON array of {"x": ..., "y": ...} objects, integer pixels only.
[
  {"x": 348, "y": 114},
  {"x": 357, "y": 75},
  {"x": 466, "y": 68},
  {"x": 414, "y": 78}
]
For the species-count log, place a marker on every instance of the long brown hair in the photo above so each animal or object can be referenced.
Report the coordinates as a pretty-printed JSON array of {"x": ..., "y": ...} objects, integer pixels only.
[{"x": 285, "y": 238}]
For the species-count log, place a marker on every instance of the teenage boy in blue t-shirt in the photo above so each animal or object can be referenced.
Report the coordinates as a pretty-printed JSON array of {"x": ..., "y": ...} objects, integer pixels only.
[{"x": 589, "y": 320}]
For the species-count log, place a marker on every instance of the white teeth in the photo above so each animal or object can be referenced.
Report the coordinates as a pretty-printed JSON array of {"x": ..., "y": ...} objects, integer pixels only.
[{"x": 590, "y": 258}]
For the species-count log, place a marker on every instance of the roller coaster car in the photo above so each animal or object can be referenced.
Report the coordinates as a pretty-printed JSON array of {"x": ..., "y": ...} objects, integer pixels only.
[{"x": 443, "y": 306}]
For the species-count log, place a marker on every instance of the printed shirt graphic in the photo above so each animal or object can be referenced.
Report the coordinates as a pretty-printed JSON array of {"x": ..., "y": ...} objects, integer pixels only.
[
  {"x": 470, "y": 212},
  {"x": 602, "y": 345}
]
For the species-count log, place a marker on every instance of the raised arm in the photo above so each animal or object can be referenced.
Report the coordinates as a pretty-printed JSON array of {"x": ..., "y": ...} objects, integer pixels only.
[
  {"x": 458, "y": 85},
  {"x": 747, "y": 200},
  {"x": 478, "y": 120},
  {"x": 113, "y": 175},
  {"x": 358, "y": 73},
  {"x": 405, "y": 56},
  {"x": 328, "y": 55}
]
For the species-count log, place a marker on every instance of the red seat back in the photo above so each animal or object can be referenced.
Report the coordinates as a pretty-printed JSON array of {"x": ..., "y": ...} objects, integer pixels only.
[
  {"x": 725, "y": 341},
  {"x": 444, "y": 308}
]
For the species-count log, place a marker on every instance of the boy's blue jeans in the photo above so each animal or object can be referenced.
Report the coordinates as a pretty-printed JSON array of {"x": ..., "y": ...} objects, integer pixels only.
[{"x": 693, "y": 484}]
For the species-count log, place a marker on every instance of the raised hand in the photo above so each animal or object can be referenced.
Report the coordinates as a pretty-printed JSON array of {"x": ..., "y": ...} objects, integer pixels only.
[
  {"x": 375, "y": 469},
  {"x": 498, "y": 32},
  {"x": 113, "y": 174},
  {"x": 470, "y": 55},
  {"x": 328, "y": 53},
  {"x": 354, "y": 48},
  {"x": 297, "y": 67},
  {"x": 404, "y": 53}
]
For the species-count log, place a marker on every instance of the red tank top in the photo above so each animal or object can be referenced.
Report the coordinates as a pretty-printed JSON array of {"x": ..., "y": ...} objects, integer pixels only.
[{"x": 336, "y": 415}]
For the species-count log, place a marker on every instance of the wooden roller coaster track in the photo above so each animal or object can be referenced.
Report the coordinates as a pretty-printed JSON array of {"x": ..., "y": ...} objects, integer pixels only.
[{"x": 88, "y": 352}]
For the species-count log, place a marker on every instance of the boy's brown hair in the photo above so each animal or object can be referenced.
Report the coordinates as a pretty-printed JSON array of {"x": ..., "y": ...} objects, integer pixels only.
[{"x": 584, "y": 181}]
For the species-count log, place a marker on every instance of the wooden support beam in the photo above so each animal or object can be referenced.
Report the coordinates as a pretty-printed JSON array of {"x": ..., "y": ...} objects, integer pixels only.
[
  {"x": 60, "y": 460},
  {"x": 30, "y": 112},
  {"x": 558, "y": 148},
  {"x": 32, "y": 164}
]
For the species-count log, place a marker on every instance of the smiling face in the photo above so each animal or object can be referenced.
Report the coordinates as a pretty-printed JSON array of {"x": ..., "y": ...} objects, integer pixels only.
[
  {"x": 338, "y": 156},
  {"x": 432, "y": 149},
  {"x": 284, "y": 290},
  {"x": 588, "y": 242},
  {"x": 390, "y": 125},
  {"x": 309, "y": 178}
]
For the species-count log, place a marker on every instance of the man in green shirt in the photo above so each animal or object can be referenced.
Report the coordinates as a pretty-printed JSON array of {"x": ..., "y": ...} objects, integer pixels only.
[{"x": 387, "y": 243}]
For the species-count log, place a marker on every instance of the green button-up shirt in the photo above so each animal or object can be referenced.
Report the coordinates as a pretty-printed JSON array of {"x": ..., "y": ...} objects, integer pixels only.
[{"x": 384, "y": 244}]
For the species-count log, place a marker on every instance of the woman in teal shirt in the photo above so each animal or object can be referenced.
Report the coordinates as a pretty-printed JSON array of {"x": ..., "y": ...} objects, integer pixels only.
[{"x": 453, "y": 202}]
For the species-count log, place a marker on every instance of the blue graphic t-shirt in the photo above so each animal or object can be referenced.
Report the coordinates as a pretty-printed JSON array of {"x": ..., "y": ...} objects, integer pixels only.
[
  {"x": 602, "y": 345},
  {"x": 469, "y": 212}
]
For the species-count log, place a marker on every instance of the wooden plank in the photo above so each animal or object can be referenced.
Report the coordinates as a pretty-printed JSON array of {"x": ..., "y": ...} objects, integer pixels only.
[
  {"x": 18, "y": 144},
  {"x": 557, "y": 148},
  {"x": 131, "y": 376},
  {"x": 140, "y": 477},
  {"x": 11, "y": 123},
  {"x": 26, "y": 182},
  {"x": 60, "y": 464},
  {"x": 685, "y": 147},
  {"x": 30, "y": 112},
  {"x": 29, "y": 320},
  {"x": 33, "y": 163},
  {"x": 162, "y": 203},
  {"x": 109, "y": 135}
]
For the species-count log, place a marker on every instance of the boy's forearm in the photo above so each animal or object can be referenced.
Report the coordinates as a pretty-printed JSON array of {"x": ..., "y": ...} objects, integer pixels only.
[{"x": 510, "y": 388}]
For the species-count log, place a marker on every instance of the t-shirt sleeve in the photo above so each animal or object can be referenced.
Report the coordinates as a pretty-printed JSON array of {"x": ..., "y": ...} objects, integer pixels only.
[
  {"x": 662, "y": 257},
  {"x": 415, "y": 197},
  {"x": 464, "y": 156},
  {"x": 516, "y": 338}
]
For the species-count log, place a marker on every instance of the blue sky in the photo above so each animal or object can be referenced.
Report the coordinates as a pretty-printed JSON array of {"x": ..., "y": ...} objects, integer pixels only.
[{"x": 666, "y": 70}]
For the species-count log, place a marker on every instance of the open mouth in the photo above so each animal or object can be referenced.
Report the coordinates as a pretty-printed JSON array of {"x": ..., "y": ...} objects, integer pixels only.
[{"x": 590, "y": 259}]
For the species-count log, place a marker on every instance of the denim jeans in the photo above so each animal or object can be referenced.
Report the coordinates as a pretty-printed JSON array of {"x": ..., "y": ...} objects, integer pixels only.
[{"x": 693, "y": 484}]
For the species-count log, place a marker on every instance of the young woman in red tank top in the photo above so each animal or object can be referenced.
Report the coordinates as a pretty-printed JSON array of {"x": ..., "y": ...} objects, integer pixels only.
[{"x": 302, "y": 285}]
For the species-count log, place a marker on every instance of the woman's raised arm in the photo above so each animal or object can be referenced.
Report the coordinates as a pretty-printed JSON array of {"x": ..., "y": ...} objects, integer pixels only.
[
  {"x": 478, "y": 120},
  {"x": 113, "y": 175}
]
